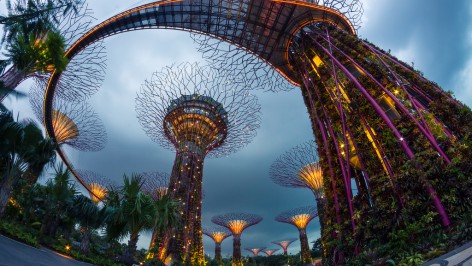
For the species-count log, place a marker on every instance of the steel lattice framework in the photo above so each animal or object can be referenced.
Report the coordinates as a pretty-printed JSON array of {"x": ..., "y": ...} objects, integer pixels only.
[
  {"x": 255, "y": 251},
  {"x": 217, "y": 234},
  {"x": 97, "y": 185},
  {"x": 75, "y": 123},
  {"x": 374, "y": 117},
  {"x": 155, "y": 184},
  {"x": 270, "y": 252},
  {"x": 285, "y": 244},
  {"x": 199, "y": 112},
  {"x": 300, "y": 218},
  {"x": 237, "y": 223}
]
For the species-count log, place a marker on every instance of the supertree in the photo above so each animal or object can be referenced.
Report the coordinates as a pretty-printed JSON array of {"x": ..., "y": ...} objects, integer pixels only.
[
  {"x": 255, "y": 251},
  {"x": 300, "y": 218},
  {"x": 155, "y": 184},
  {"x": 217, "y": 234},
  {"x": 75, "y": 124},
  {"x": 196, "y": 111},
  {"x": 97, "y": 185},
  {"x": 236, "y": 223},
  {"x": 270, "y": 252},
  {"x": 285, "y": 244},
  {"x": 83, "y": 74}
]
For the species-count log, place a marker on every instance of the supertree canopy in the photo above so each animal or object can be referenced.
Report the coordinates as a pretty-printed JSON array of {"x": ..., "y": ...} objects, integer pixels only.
[
  {"x": 75, "y": 123},
  {"x": 218, "y": 234},
  {"x": 299, "y": 167},
  {"x": 97, "y": 185},
  {"x": 285, "y": 244},
  {"x": 155, "y": 184},
  {"x": 197, "y": 111},
  {"x": 236, "y": 223},
  {"x": 255, "y": 251},
  {"x": 269, "y": 252},
  {"x": 300, "y": 218}
]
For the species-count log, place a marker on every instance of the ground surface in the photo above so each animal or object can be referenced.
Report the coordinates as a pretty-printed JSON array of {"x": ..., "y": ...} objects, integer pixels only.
[
  {"x": 458, "y": 257},
  {"x": 13, "y": 253}
]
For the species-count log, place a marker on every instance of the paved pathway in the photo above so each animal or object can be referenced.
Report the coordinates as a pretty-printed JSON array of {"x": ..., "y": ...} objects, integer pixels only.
[
  {"x": 459, "y": 257},
  {"x": 13, "y": 253}
]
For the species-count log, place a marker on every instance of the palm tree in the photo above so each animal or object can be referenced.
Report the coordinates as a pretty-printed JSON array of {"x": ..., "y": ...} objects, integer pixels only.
[
  {"x": 90, "y": 217},
  {"x": 33, "y": 43},
  {"x": 59, "y": 201},
  {"x": 23, "y": 152},
  {"x": 129, "y": 214}
]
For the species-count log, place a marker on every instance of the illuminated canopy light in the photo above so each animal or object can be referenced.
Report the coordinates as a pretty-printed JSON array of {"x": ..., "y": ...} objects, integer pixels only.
[
  {"x": 97, "y": 185},
  {"x": 98, "y": 192},
  {"x": 64, "y": 128},
  {"x": 299, "y": 217},
  {"x": 255, "y": 251},
  {"x": 155, "y": 184},
  {"x": 270, "y": 252},
  {"x": 237, "y": 226},
  {"x": 312, "y": 175},
  {"x": 301, "y": 220}
]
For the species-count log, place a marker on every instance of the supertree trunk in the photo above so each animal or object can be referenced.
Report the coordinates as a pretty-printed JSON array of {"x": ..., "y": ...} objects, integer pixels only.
[
  {"x": 373, "y": 117},
  {"x": 237, "y": 259},
  {"x": 218, "y": 252},
  {"x": 186, "y": 243},
  {"x": 305, "y": 248}
]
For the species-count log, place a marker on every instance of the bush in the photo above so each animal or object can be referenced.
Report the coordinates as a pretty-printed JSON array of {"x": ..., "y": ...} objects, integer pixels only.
[{"x": 19, "y": 233}]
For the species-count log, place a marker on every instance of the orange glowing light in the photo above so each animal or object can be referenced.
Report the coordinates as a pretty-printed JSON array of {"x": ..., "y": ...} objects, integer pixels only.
[
  {"x": 97, "y": 192},
  {"x": 312, "y": 176},
  {"x": 237, "y": 226},
  {"x": 64, "y": 127},
  {"x": 301, "y": 220},
  {"x": 218, "y": 237}
]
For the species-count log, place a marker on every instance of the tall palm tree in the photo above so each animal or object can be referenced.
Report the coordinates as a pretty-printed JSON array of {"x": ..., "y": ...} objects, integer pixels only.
[
  {"x": 23, "y": 152},
  {"x": 129, "y": 214},
  {"x": 32, "y": 40},
  {"x": 90, "y": 217}
]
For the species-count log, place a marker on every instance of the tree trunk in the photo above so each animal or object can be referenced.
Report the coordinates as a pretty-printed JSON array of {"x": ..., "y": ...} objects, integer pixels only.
[
  {"x": 6, "y": 186},
  {"x": 237, "y": 261},
  {"x": 128, "y": 258},
  {"x": 218, "y": 253},
  {"x": 305, "y": 249},
  {"x": 11, "y": 79},
  {"x": 85, "y": 243}
]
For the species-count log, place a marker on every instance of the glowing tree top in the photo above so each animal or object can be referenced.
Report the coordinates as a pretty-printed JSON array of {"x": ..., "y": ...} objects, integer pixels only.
[
  {"x": 255, "y": 251},
  {"x": 196, "y": 108},
  {"x": 299, "y": 167},
  {"x": 269, "y": 252},
  {"x": 155, "y": 184},
  {"x": 97, "y": 185},
  {"x": 75, "y": 123},
  {"x": 284, "y": 244},
  {"x": 217, "y": 233},
  {"x": 299, "y": 217},
  {"x": 236, "y": 222}
]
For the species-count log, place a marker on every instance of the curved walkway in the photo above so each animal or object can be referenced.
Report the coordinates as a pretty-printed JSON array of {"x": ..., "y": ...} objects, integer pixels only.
[{"x": 13, "y": 253}]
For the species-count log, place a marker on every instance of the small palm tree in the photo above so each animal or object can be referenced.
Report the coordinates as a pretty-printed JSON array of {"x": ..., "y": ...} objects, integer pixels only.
[
  {"x": 129, "y": 214},
  {"x": 90, "y": 217},
  {"x": 59, "y": 201}
]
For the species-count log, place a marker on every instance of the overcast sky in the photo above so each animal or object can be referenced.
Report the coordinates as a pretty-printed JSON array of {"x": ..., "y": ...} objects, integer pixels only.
[{"x": 434, "y": 34}]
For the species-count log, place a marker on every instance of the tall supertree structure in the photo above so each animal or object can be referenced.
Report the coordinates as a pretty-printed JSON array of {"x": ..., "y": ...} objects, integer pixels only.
[
  {"x": 217, "y": 234},
  {"x": 255, "y": 251},
  {"x": 411, "y": 138},
  {"x": 237, "y": 223},
  {"x": 97, "y": 185},
  {"x": 300, "y": 218},
  {"x": 198, "y": 112},
  {"x": 270, "y": 252},
  {"x": 285, "y": 244}
]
